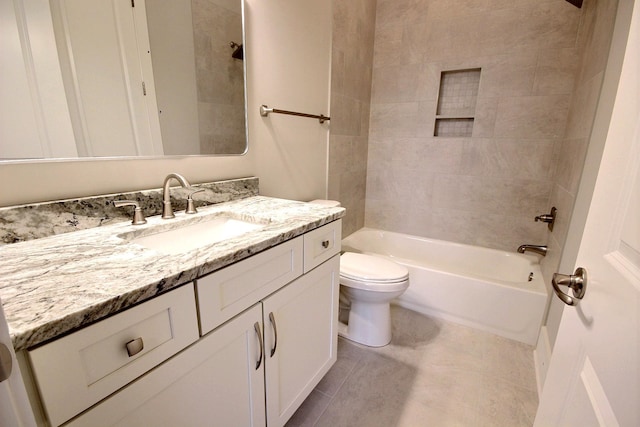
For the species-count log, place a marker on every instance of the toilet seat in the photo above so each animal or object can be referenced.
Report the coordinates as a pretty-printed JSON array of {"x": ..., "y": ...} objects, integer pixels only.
[
  {"x": 373, "y": 273},
  {"x": 374, "y": 287}
]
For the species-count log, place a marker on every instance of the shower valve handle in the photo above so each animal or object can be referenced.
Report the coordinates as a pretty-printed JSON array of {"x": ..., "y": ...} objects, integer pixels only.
[{"x": 549, "y": 218}]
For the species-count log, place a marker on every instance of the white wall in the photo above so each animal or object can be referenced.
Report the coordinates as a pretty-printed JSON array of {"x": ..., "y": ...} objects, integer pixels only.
[
  {"x": 291, "y": 42},
  {"x": 289, "y": 49}
]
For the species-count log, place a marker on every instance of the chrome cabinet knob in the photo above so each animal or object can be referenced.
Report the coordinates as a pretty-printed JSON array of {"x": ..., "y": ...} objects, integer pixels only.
[{"x": 135, "y": 346}]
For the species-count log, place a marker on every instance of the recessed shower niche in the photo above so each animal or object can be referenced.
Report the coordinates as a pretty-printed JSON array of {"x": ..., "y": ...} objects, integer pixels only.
[{"x": 457, "y": 103}]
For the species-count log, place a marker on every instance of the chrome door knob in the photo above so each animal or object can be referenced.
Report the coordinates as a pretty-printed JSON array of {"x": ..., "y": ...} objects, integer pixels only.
[
  {"x": 6, "y": 363},
  {"x": 576, "y": 281}
]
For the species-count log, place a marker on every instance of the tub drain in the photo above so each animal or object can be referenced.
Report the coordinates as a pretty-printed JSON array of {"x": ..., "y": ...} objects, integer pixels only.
[{"x": 530, "y": 277}]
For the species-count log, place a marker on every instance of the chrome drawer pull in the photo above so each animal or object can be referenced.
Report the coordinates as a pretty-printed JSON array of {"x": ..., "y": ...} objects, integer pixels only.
[
  {"x": 325, "y": 244},
  {"x": 256, "y": 326},
  {"x": 272, "y": 319},
  {"x": 135, "y": 346}
]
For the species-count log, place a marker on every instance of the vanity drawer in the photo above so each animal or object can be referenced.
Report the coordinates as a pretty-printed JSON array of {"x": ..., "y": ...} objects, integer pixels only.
[
  {"x": 78, "y": 370},
  {"x": 227, "y": 292},
  {"x": 321, "y": 244}
]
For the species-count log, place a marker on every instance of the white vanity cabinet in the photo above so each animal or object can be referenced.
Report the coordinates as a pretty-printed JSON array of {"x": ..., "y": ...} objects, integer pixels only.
[
  {"x": 217, "y": 382},
  {"x": 80, "y": 369},
  {"x": 268, "y": 334},
  {"x": 301, "y": 338},
  {"x": 223, "y": 379}
]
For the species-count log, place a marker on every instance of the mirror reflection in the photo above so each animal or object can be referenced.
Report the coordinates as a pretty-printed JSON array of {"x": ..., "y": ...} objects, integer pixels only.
[{"x": 158, "y": 78}]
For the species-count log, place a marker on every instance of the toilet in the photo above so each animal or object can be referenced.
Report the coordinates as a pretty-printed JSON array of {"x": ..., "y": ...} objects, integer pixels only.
[{"x": 368, "y": 283}]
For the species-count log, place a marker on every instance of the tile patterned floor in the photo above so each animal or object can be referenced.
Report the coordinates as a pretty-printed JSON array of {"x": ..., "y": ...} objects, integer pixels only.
[{"x": 433, "y": 373}]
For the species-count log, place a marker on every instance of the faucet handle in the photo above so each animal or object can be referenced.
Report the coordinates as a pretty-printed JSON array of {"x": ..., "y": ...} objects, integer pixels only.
[
  {"x": 549, "y": 218},
  {"x": 138, "y": 216},
  {"x": 191, "y": 207}
]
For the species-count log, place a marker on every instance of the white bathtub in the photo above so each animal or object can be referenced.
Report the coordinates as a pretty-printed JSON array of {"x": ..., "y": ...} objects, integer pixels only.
[{"x": 478, "y": 287}]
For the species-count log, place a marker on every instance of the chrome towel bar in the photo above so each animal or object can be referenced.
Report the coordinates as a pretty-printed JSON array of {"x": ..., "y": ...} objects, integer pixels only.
[{"x": 264, "y": 112}]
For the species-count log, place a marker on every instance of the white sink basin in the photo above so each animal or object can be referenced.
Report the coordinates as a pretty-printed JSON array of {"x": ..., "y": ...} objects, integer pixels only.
[{"x": 193, "y": 236}]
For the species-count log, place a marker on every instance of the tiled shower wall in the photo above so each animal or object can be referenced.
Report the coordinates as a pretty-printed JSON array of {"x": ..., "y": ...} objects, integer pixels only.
[
  {"x": 219, "y": 77},
  {"x": 352, "y": 58},
  {"x": 594, "y": 38},
  {"x": 485, "y": 189}
]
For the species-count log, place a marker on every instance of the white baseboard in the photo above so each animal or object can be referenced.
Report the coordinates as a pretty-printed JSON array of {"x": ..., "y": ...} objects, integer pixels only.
[{"x": 541, "y": 358}]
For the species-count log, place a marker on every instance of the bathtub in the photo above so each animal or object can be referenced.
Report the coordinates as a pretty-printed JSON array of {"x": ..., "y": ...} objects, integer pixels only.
[{"x": 491, "y": 290}]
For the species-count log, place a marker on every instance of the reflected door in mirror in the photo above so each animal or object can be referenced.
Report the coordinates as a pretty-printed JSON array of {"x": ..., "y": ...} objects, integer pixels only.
[
  {"x": 106, "y": 63},
  {"x": 90, "y": 79}
]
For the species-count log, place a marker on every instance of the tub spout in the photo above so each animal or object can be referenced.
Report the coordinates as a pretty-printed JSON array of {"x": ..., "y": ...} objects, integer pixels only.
[{"x": 539, "y": 249}]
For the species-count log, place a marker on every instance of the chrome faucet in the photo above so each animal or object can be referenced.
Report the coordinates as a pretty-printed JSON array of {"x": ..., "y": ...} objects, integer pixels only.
[
  {"x": 138, "y": 216},
  {"x": 167, "y": 210},
  {"x": 538, "y": 249}
]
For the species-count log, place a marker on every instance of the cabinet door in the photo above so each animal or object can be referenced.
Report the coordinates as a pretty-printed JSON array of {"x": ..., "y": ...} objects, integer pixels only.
[
  {"x": 300, "y": 338},
  {"x": 217, "y": 381}
]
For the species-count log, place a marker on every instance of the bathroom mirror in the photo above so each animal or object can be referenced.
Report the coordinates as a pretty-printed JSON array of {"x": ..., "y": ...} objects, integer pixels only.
[{"x": 156, "y": 79}]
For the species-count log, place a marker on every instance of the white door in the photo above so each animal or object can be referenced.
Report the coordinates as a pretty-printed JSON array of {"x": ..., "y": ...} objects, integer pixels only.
[
  {"x": 594, "y": 373},
  {"x": 15, "y": 410}
]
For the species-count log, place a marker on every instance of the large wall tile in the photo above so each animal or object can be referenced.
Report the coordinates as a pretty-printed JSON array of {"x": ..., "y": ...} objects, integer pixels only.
[
  {"x": 563, "y": 201},
  {"x": 532, "y": 116},
  {"x": 394, "y": 120},
  {"x": 351, "y": 73},
  {"x": 493, "y": 230},
  {"x": 401, "y": 11},
  {"x": 396, "y": 83},
  {"x": 571, "y": 155},
  {"x": 452, "y": 9},
  {"x": 518, "y": 158},
  {"x": 556, "y": 71},
  {"x": 485, "y": 118},
  {"x": 533, "y": 25},
  {"x": 435, "y": 155},
  {"x": 583, "y": 109},
  {"x": 507, "y": 75},
  {"x": 515, "y": 196},
  {"x": 392, "y": 48},
  {"x": 345, "y": 115},
  {"x": 595, "y": 36}
]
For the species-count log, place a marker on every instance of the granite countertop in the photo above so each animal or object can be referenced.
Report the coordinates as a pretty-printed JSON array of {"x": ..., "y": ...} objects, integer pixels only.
[{"x": 54, "y": 285}]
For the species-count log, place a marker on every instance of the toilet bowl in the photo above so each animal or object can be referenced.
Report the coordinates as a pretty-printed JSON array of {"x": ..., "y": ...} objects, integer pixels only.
[{"x": 370, "y": 283}]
